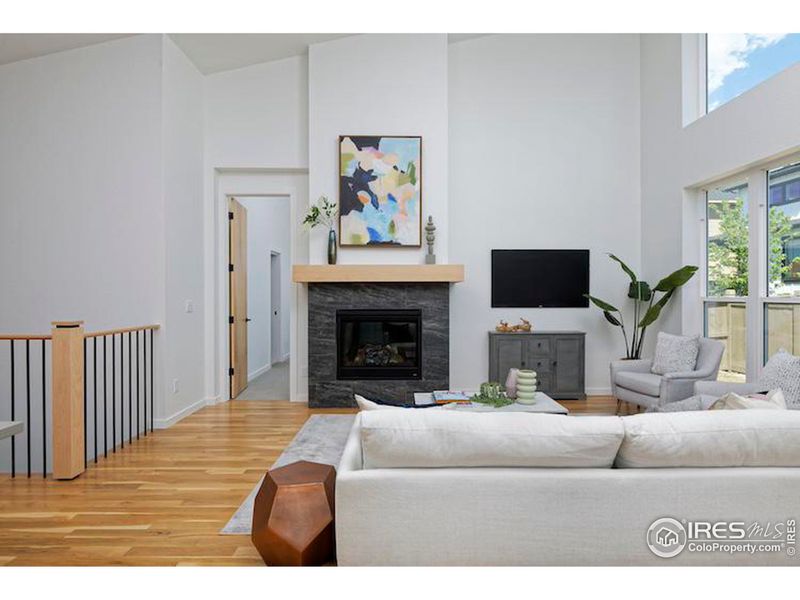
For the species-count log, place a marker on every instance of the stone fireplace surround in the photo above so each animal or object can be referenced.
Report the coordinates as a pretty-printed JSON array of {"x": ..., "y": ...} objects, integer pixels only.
[{"x": 324, "y": 299}]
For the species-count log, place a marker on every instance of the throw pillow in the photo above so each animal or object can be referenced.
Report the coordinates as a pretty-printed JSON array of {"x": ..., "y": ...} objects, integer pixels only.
[
  {"x": 783, "y": 371},
  {"x": 731, "y": 401},
  {"x": 364, "y": 404},
  {"x": 675, "y": 353}
]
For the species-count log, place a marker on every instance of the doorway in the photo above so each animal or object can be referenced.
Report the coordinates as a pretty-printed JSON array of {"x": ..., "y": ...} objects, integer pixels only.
[{"x": 259, "y": 250}]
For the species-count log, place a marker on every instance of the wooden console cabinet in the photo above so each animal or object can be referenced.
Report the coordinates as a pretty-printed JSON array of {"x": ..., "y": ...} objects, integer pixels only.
[{"x": 558, "y": 357}]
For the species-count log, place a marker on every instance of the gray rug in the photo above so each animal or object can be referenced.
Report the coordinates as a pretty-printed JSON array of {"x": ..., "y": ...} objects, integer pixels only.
[{"x": 321, "y": 440}]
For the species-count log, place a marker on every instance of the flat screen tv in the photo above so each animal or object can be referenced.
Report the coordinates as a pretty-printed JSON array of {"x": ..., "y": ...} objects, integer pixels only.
[{"x": 540, "y": 278}]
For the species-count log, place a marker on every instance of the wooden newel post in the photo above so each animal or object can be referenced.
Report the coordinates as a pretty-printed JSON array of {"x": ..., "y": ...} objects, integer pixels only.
[{"x": 68, "y": 442}]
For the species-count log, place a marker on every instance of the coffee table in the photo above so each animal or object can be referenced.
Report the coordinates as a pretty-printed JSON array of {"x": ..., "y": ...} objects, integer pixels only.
[{"x": 543, "y": 404}]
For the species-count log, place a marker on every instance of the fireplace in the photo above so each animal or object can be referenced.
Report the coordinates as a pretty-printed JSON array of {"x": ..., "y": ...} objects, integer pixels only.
[{"x": 378, "y": 344}]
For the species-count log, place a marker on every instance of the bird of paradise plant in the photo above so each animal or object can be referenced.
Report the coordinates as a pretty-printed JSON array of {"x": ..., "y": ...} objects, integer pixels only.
[{"x": 646, "y": 308}]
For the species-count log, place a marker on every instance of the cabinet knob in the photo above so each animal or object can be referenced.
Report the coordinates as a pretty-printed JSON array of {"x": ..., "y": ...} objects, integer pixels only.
[
  {"x": 523, "y": 363},
  {"x": 555, "y": 362}
]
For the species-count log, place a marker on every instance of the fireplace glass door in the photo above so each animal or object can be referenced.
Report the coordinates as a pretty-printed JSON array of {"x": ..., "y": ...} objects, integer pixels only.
[{"x": 378, "y": 344}]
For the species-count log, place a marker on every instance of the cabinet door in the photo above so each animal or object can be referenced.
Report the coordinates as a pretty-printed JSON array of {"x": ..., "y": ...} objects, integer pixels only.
[
  {"x": 567, "y": 376},
  {"x": 509, "y": 353}
]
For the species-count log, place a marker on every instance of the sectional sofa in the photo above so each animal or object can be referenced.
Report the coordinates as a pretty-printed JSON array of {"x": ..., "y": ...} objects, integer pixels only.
[{"x": 447, "y": 488}]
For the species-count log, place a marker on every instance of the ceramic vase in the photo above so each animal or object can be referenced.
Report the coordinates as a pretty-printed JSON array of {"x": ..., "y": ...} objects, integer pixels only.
[
  {"x": 332, "y": 247},
  {"x": 511, "y": 383},
  {"x": 526, "y": 386}
]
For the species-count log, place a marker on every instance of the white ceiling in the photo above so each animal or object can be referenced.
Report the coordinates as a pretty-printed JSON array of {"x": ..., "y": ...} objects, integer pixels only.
[
  {"x": 214, "y": 52},
  {"x": 210, "y": 52},
  {"x": 19, "y": 46}
]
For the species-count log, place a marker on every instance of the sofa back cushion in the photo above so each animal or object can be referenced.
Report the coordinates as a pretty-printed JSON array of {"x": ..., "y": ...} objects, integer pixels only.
[
  {"x": 414, "y": 438},
  {"x": 714, "y": 438},
  {"x": 782, "y": 372}
]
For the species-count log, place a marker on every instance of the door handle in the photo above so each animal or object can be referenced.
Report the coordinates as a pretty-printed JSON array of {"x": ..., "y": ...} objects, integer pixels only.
[{"x": 247, "y": 320}]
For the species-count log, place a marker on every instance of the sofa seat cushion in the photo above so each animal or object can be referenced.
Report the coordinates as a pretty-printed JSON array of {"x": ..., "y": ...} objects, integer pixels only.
[
  {"x": 414, "y": 438},
  {"x": 713, "y": 438},
  {"x": 644, "y": 383}
]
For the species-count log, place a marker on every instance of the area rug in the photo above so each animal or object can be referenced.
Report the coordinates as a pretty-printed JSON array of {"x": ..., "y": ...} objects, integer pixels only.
[{"x": 321, "y": 440}]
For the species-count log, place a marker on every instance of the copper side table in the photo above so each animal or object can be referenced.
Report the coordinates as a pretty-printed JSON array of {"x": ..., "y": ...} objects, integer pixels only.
[{"x": 293, "y": 515}]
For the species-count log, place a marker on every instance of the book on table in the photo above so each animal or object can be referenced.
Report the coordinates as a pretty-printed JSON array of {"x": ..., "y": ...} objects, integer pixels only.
[{"x": 448, "y": 396}]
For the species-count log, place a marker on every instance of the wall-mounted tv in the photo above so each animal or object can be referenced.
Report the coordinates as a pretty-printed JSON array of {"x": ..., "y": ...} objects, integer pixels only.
[{"x": 540, "y": 278}]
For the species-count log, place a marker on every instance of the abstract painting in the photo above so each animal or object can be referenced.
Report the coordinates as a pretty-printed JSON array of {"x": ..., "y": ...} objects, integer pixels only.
[{"x": 380, "y": 190}]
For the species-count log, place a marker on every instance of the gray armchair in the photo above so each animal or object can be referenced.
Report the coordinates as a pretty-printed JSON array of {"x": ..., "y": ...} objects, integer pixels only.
[{"x": 633, "y": 382}]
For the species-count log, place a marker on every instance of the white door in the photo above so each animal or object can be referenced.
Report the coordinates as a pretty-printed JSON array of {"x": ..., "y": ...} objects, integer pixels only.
[{"x": 275, "y": 308}]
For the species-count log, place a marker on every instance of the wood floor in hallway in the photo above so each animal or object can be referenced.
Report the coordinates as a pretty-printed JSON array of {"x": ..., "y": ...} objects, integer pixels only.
[{"x": 164, "y": 499}]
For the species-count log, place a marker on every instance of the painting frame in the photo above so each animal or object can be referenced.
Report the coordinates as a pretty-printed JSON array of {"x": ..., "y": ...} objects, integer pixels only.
[{"x": 343, "y": 242}]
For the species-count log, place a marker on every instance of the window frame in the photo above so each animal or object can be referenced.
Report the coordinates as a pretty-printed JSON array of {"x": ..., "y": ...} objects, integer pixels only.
[{"x": 758, "y": 298}]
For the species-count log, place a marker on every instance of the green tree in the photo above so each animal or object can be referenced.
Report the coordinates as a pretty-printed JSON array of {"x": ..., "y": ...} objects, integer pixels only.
[{"x": 728, "y": 254}]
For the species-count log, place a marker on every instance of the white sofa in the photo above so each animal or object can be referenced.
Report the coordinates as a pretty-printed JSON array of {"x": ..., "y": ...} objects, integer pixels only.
[{"x": 497, "y": 515}]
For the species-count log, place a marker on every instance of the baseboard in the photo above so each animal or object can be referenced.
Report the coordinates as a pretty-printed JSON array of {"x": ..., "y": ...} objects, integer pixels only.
[
  {"x": 598, "y": 391},
  {"x": 284, "y": 358},
  {"x": 166, "y": 422},
  {"x": 257, "y": 372}
]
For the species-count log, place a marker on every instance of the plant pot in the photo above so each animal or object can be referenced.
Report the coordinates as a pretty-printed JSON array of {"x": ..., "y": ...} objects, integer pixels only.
[{"x": 332, "y": 247}]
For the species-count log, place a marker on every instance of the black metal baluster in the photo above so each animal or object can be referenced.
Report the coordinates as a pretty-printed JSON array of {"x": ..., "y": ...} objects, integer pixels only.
[
  {"x": 94, "y": 394},
  {"x": 144, "y": 378},
  {"x": 152, "y": 376},
  {"x": 13, "y": 398},
  {"x": 122, "y": 390},
  {"x": 85, "y": 417},
  {"x": 44, "y": 412},
  {"x": 28, "y": 401},
  {"x": 114, "y": 391},
  {"x": 137, "y": 385},
  {"x": 105, "y": 400},
  {"x": 130, "y": 390}
]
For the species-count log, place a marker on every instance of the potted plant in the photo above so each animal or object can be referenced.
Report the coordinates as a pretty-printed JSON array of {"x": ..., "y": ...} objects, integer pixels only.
[
  {"x": 646, "y": 308},
  {"x": 324, "y": 213}
]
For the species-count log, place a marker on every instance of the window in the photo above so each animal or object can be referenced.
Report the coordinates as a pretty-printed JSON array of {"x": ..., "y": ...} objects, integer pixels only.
[
  {"x": 728, "y": 237},
  {"x": 781, "y": 328},
  {"x": 737, "y": 62},
  {"x": 727, "y": 252},
  {"x": 752, "y": 303},
  {"x": 783, "y": 234}
]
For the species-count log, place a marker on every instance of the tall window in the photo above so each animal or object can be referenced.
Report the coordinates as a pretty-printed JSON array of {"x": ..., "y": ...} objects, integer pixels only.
[
  {"x": 783, "y": 218},
  {"x": 727, "y": 252},
  {"x": 782, "y": 309},
  {"x": 737, "y": 62}
]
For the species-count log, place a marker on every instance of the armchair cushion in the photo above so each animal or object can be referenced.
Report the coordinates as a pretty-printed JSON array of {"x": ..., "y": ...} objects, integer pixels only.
[
  {"x": 644, "y": 383},
  {"x": 675, "y": 353}
]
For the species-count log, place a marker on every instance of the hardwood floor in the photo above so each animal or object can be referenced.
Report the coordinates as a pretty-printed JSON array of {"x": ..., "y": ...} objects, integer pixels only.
[{"x": 164, "y": 499}]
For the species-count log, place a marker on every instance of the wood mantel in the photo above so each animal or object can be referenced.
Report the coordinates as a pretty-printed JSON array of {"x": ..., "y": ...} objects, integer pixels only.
[{"x": 377, "y": 273}]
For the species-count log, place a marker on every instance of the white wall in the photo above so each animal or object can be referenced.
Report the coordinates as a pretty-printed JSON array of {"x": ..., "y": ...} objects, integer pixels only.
[
  {"x": 544, "y": 153},
  {"x": 182, "y": 94},
  {"x": 268, "y": 230},
  {"x": 758, "y": 126},
  {"x": 256, "y": 142},
  {"x": 101, "y": 187},
  {"x": 80, "y": 183},
  {"x": 373, "y": 85},
  {"x": 258, "y": 116}
]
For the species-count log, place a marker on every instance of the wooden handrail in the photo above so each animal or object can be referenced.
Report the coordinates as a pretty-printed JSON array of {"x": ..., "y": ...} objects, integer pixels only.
[
  {"x": 121, "y": 330},
  {"x": 25, "y": 336}
]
